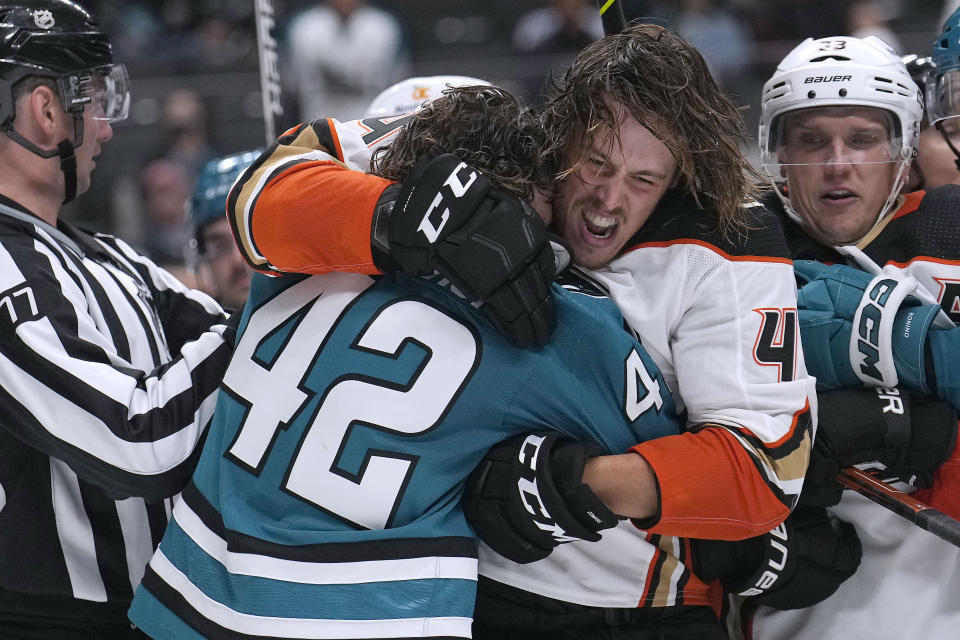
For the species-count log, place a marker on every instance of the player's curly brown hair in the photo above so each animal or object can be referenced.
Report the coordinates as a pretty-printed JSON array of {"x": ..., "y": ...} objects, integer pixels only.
[
  {"x": 665, "y": 84},
  {"x": 485, "y": 127}
]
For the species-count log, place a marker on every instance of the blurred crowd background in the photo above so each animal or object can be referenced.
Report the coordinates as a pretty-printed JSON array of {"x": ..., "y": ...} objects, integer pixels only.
[{"x": 196, "y": 90}]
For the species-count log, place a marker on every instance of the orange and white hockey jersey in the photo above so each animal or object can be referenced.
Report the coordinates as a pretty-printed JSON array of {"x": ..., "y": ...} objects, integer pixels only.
[
  {"x": 908, "y": 579},
  {"x": 718, "y": 316}
]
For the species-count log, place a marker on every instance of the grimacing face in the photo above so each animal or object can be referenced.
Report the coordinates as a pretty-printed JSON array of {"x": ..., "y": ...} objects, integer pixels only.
[
  {"x": 617, "y": 183},
  {"x": 840, "y": 167}
]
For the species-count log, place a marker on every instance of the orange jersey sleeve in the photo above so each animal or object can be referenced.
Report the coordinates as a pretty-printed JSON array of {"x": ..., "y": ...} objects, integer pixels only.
[
  {"x": 315, "y": 218},
  {"x": 710, "y": 487},
  {"x": 304, "y": 206}
]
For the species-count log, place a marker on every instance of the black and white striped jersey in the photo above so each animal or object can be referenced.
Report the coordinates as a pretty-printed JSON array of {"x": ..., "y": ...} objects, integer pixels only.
[{"x": 109, "y": 369}]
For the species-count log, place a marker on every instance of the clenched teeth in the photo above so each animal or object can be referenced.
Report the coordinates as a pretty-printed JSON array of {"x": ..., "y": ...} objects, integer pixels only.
[
  {"x": 841, "y": 193},
  {"x": 599, "y": 221}
]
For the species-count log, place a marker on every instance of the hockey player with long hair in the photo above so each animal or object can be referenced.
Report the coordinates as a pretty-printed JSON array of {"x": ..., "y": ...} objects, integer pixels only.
[
  {"x": 649, "y": 172},
  {"x": 326, "y": 503}
]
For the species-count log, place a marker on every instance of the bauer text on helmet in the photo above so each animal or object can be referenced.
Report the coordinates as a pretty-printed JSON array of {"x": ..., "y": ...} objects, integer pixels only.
[{"x": 838, "y": 128}]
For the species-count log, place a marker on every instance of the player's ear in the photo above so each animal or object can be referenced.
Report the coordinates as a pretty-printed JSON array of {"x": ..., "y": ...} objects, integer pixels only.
[{"x": 45, "y": 107}]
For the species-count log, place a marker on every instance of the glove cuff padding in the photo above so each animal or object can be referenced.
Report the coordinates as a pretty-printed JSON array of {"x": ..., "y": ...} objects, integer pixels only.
[
  {"x": 871, "y": 341},
  {"x": 800, "y": 563},
  {"x": 908, "y": 438},
  {"x": 581, "y": 501},
  {"x": 526, "y": 497},
  {"x": 911, "y": 354},
  {"x": 943, "y": 346},
  {"x": 380, "y": 229},
  {"x": 933, "y": 439}
]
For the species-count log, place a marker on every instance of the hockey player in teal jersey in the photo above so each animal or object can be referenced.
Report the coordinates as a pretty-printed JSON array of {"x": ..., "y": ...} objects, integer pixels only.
[{"x": 326, "y": 501}]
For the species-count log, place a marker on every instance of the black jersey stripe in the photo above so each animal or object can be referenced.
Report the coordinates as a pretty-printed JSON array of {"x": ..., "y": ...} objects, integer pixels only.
[
  {"x": 108, "y": 543},
  {"x": 366, "y": 551},
  {"x": 70, "y": 380}
]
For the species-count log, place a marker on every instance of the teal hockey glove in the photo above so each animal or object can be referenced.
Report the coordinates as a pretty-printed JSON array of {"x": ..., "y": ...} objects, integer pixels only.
[
  {"x": 943, "y": 346},
  {"x": 862, "y": 329}
]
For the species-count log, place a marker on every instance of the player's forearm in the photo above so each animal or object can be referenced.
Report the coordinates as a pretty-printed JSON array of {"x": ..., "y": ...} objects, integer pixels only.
[{"x": 625, "y": 483}]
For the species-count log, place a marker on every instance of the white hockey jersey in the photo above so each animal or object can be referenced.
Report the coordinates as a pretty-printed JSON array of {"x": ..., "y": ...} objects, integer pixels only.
[
  {"x": 908, "y": 581},
  {"x": 718, "y": 316}
]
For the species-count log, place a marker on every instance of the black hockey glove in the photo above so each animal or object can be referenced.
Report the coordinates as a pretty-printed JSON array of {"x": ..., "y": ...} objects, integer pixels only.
[
  {"x": 446, "y": 217},
  {"x": 798, "y": 564},
  {"x": 526, "y": 497},
  {"x": 882, "y": 428}
]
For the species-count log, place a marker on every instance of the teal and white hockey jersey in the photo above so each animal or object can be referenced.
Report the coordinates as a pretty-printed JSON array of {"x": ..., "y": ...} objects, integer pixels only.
[{"x": 326, "y": 500}]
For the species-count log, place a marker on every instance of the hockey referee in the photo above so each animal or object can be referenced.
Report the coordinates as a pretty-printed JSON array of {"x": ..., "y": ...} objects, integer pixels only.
[{"x": 108, "y": 366}]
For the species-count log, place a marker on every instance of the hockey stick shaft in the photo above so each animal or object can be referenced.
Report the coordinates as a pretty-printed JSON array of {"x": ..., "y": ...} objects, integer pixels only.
[
  {"x": 611, "y": 14},
  {"x": 925, "y": 517},
  {"x": 269, "y": 67}
]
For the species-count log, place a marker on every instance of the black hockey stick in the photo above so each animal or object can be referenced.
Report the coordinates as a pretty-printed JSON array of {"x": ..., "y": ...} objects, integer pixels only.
[
  {"x": 925, "y": 517},
  {"x": 269, "y": 67},
  {"x": 611, "y": 14}
]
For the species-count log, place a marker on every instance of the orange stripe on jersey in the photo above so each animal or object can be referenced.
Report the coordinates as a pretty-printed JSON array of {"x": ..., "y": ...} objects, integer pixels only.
[
  {"x": 667, "y": 591},
  {"x": 336, "y": 138},
  {"x": 646, "y": 598},
  {"x": 788, "y": 456},
  {"x": 711, "y": 247},
  {"x": 798, "y": 419},
  {"x": 903, "y": 265},
  {"x": 911, "y": 202},
  {"x": 322, "y": 201},
  {"x": 710, "y": 487},
  {"x": 668, "y": 582}
]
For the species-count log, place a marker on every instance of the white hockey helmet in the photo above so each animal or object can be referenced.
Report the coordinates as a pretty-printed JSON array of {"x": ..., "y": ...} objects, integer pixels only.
[
  {"x": 408, "y": 95},
  {"x": 841, "y": 71}
]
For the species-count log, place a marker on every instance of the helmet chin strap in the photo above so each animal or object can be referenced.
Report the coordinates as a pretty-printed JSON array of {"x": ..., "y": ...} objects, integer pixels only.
[
  {"x": 898, "y": 183},
  {"x": 65, "y": 149},
  {"x": 946, "y": 138}
]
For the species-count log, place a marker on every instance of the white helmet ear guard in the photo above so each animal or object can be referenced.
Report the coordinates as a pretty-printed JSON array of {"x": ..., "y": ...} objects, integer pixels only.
[
  {"x": 838, "y": 72},
  {"x": 409, "y": 95}
]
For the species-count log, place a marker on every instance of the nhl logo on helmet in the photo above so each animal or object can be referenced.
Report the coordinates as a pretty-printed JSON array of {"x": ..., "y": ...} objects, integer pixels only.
[{"x": 43, "y": 18}]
